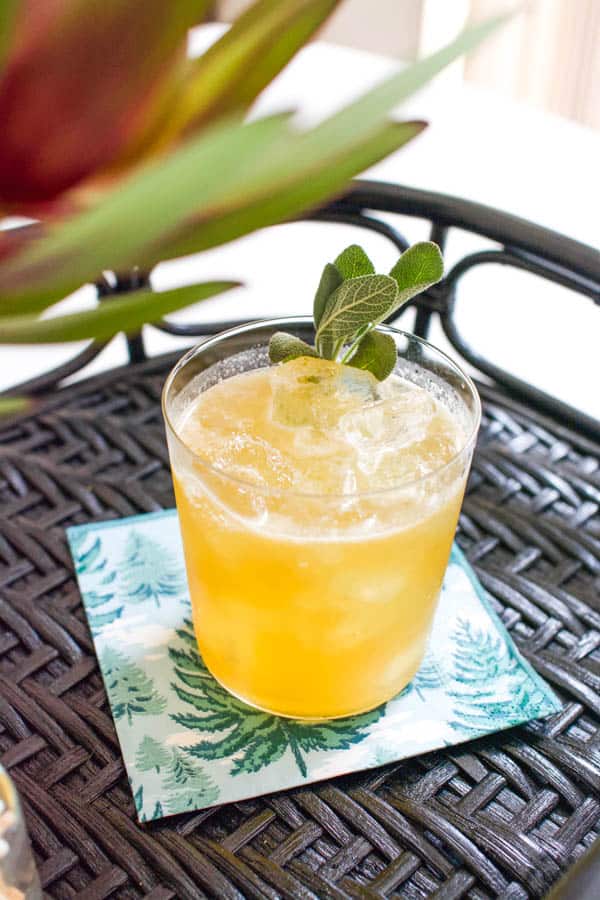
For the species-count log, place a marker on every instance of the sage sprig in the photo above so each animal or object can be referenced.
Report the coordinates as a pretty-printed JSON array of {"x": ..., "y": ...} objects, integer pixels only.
[{"x": 352, "y": 300}]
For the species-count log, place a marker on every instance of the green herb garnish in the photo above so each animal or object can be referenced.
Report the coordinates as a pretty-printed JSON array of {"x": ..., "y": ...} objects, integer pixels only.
[{"x": 351, "y": 300}]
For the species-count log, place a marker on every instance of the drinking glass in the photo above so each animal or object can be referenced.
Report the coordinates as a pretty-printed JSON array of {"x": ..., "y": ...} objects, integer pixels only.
[
  {"x": 314, "y": 606},
  {"x": 18, "y": 876}
]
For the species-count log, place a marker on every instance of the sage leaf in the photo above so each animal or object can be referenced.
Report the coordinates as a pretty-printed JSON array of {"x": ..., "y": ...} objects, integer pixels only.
[
  {"x": 352, "y": 300},
  {"x": 376, "y": 353},
  {"x": 330, "y": 279},
  {"x": 365, "y": 300},
  {"x": 417, "y": 269},
  {"x": 353, "y": 261},
  {"x": 283, "y": 347}
]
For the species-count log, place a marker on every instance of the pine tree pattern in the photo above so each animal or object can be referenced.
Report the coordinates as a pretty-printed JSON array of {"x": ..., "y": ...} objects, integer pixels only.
[
  {"x": 151, "y": 755},
  {"x": 185, "y": 785},
  {"x": 475, "y": 682},
  {"x": 138, "y": 799},
  {"x": 130, "y": 690},
  {"x": 89, "y": 561},
  {"x": 157, "y": 812},
  {"x": 429, "y": 677},
  {"x": 256, "y": 739},
  {"x": 87, "y": 558},
  {"x": 482, "y": 661},
  {"x": 149, "y": 571}
]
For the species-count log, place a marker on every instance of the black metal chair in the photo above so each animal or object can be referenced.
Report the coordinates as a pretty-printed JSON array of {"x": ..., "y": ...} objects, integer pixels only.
[{"x": 504, "y": 816}]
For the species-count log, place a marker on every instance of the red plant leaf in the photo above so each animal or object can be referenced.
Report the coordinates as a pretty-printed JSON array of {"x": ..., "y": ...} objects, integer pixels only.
[{"x": 83, "y": 81}]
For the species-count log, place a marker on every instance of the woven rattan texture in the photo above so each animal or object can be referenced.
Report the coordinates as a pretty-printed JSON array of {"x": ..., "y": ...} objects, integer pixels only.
[{"x": 500, "y": 817}]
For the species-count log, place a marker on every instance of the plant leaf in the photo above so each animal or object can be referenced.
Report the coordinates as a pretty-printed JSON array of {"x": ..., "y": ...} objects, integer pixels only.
[
  {"x": 84, "y": 81},
  {"x": 235, "y": 69},
  {"x": 417, "y": 269},
  {"x": 361, "y": 301},
  {"x": 319, "y": 162},
  {"x": 133, "y": 217},
  {"x": 127, "y": 314},
  {"x": 294, "y": 174},
  {"x": 128, "y": 226},
  {"x": 283, "y": 347},
  {"x": 353, "y": 261},
  {"x": 8, "y": 9},
  {"x": 11, "y": 405},
  {"x": 379, "y": 101},
  {"x": 330, "y": 279},
  {"x": 316, "y": 167},
  {"x": 376, "y": 353}
]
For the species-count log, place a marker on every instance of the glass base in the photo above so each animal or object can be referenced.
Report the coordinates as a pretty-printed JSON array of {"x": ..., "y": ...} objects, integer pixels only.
[{"x": 320, "y": 718}]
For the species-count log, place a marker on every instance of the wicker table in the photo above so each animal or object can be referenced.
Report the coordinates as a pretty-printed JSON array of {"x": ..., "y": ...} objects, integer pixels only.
[{"x": 499, "y": 817}]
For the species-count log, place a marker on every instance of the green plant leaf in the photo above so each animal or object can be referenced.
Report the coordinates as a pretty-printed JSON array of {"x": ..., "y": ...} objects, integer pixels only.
[
  {"x": 130, "y": 225},
  {"x": 8, "y": 9},
  {"x": 377, "y": 353},
  {"x": 132, "y": 218},
  {"x": 151, "y": 215},
  {"x": 235, "y": 69},
  {"x": 318, "y": 163},
  {"x": 353, "y": 261},
  {"x": 330, "y": 279},
  {"x": 378, "y": 102},
  {"x": 417, "y": 269},
  {"x": 127, "y": 314},
  {"x": 307, "y": 170},
  {"x": 283, "y": 347},
  {"x": 11, "y": 405},
  {"x": 334, "y": 734},
  {"x": 87, "y": 559},
  {"x": 138, "y": 798},
  {"x": 358, "y": 302}
]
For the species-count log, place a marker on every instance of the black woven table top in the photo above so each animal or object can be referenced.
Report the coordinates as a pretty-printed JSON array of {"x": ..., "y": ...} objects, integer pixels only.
[{"x": 499, "y": 817}]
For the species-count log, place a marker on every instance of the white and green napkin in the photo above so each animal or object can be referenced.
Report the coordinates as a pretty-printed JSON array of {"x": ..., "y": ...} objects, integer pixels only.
[{"x": 188, "y": 744}]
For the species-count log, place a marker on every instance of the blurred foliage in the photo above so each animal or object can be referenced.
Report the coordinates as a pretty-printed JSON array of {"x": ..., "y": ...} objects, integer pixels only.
[{"x": 126, "y": 152}]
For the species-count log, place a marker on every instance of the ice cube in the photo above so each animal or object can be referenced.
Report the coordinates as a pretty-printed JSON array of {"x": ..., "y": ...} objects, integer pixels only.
[
  {"x": 318, "y": 392},
  {"x": 253, "y": 460},
  {"x": 400, "y": 438},
  {"x": 395, "y": 422}
]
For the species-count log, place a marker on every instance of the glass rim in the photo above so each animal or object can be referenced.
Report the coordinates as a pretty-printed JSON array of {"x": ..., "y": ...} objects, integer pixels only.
[{"x": 281, "y": 322}]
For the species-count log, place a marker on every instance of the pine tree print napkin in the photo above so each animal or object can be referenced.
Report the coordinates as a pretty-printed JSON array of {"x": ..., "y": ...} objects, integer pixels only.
[{"x": 187, "y": 744}]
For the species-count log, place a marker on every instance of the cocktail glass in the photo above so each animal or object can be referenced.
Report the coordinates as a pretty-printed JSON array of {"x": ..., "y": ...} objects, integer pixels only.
[{"x": 314, "y": 605}]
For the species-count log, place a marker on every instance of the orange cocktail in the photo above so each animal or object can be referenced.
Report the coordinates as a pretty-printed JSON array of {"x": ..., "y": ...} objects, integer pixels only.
[{"x": 317, "y": 510}]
